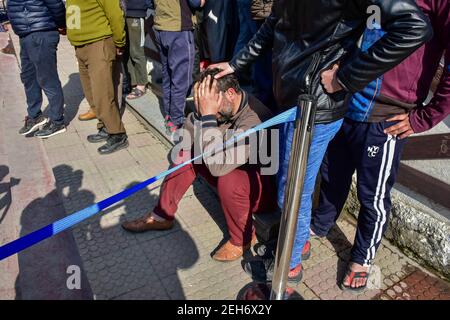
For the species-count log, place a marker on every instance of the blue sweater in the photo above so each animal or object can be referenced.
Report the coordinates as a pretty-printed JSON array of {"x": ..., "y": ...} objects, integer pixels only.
[{"x": 27, "y": 16}]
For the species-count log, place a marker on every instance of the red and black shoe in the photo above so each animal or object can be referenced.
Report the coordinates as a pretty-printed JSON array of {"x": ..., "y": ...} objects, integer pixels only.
[
  {"x": 166, "y": 120},
  {"x": 171, "y": 128}
]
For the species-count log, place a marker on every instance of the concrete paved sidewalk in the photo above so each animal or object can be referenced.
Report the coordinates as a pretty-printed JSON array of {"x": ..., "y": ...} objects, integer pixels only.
[{"x": 64, "y": 174}]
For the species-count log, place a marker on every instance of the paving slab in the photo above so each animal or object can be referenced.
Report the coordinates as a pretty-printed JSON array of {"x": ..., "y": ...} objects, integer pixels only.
[{"x": 419, "y": 286}]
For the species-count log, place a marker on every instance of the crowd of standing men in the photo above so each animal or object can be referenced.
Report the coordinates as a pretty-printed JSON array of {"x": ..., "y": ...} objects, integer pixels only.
[{"x": 370, "y": 81}]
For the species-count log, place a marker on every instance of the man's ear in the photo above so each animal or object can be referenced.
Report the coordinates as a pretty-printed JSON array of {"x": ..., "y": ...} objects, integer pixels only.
[{"x": 231, "y": 93}]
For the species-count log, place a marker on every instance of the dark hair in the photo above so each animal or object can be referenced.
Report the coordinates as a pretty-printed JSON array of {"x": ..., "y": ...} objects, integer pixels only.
[{"x": 224, "y": 83}]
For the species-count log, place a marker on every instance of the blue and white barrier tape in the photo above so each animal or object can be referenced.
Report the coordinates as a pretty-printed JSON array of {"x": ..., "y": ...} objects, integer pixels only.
[{"x": 31, "y": 239}]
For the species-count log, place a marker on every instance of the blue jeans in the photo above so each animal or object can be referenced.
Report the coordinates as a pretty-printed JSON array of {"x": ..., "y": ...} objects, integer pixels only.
[
  {"x": 322, "y": 135},
  {"x": 40, "y": 73}
]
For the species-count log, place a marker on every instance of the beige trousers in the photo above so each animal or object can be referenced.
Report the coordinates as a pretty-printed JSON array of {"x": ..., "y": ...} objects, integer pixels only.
[{"x": 100, "y": 79}]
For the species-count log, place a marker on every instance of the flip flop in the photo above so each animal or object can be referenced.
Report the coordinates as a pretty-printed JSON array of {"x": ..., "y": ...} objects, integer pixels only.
[{"x": 352, "y": 275}]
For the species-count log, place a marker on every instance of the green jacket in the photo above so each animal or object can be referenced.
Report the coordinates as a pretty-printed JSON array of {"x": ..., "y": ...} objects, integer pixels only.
[
  {"x": 90, "y": 21},
  {"x": 173, "y": 15}
]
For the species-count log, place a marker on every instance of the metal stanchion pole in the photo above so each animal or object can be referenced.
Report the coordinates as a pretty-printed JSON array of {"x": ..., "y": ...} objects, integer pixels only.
[
  {"x": 304, "y": 124},
  {"x": 294, "y": 188}
]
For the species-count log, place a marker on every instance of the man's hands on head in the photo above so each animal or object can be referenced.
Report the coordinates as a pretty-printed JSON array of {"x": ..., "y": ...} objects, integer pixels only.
[
  {"x": 402, "y": 129},
  {"x": 207, "y": 97},
  {"x": 330, "y": 81}
]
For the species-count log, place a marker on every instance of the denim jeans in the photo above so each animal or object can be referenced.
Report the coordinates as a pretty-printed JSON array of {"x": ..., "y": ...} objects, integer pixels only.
[
  {"x": 40, "y": 73},
  {"x": 322, "y": 135}
]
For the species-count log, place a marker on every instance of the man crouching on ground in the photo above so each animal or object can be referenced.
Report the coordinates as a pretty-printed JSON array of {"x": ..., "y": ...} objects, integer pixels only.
[{"x": 221, "y": 106}]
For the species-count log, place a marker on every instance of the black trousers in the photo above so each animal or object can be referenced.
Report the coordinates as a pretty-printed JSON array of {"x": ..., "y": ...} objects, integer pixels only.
[{"x": 365, "y": 148}]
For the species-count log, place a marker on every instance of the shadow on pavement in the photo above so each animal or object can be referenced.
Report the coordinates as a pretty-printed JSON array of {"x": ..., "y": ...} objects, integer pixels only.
[
  {"x": 72, "y": 101},
  {"x": 167, "y": 251},
  {"x": 73, "y": 96},
  {"x": 215, "y": 211},
  {"x": 260, "y": 291},
  {"x": 5, "y": 191},
  {"x": 43, "y": 267},
  {"x": 339, "y": 242}
]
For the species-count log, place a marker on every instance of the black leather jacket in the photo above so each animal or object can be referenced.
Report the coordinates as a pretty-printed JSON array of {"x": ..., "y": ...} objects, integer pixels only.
[{"x": 309, "y": 36}]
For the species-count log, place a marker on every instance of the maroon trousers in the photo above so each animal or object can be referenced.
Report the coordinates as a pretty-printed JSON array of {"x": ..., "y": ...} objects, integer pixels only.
[{"x": 242, "y": 192}]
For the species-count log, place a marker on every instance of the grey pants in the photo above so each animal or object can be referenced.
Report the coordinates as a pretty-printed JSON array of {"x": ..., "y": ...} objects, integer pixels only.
[{"x": 137, "y": 62}]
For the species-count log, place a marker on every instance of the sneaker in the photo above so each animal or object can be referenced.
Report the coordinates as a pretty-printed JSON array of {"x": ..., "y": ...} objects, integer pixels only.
[
  {"x": 166, "y": 120},
  {"x": 32, "y": 125},
  {"x": 115, "y": 142},
  {"x": 171, "y": 127},
  {"x": 267, "y": 249},
  {"x": 50, "y": 129},
  {"x": 101, "y": 136}
]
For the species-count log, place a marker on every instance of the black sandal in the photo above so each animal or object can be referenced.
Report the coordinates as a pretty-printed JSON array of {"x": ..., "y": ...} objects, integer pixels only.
[
  {"x": 352, "y": 275},
  {"x": 135, "y": 94}
]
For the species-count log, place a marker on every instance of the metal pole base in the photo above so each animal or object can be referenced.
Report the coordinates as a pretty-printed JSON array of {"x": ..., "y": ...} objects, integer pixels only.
[{"x": 261, "y": 291}]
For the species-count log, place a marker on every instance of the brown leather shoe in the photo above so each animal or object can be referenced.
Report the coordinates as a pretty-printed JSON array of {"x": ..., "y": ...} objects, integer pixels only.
[
  {"x": 147, "y": 223},
  {"x": 90, "y": 115},
  {"x": 230, "y": 252}
]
